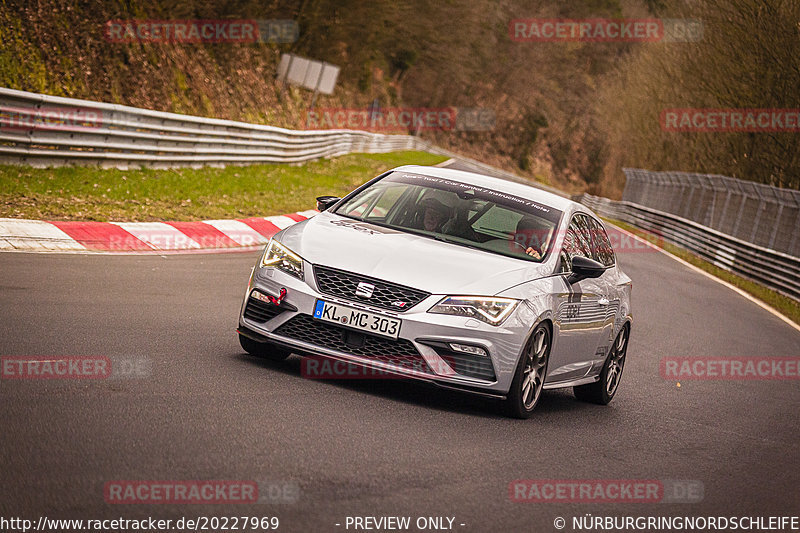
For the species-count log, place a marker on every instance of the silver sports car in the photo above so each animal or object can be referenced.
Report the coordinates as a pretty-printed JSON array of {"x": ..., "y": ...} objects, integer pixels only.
[{"x": 458, "y": 279}]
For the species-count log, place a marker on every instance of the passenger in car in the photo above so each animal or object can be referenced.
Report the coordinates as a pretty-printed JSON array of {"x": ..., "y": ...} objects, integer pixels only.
[{"x": 532, "y": 235}]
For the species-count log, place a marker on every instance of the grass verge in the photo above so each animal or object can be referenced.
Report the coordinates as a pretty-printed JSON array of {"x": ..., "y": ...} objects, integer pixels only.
[
  {"x": 785, "y": 305},
  {"x": 92, "y": 193}
]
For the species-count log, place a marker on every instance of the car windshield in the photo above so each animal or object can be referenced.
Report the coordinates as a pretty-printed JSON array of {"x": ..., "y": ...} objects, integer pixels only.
[{"x": 457, "y": 213}]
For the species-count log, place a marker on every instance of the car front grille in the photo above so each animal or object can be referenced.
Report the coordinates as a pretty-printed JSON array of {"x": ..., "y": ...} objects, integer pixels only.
[
  {"x": 400, "y": 352},
  {"x": 386, "y": 295},
  {"x": 259, "y": 311}
]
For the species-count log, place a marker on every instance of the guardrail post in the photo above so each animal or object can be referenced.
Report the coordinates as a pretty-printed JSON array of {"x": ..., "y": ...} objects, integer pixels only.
[
  {"x": 688, "y": 203},
  {"x": 775, "y": 226},
  {"x": 793, "y": 244},
  {"x": 708, "y": 219},
  {"x": 753, "y": 232},
  {"x": 724, "y": 212},
  {"x": 739, "y": 215}
]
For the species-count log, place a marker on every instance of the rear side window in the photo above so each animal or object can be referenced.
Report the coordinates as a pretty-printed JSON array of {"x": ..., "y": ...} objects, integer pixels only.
[
  {"x": 577, "y": 241},
  {"x": 602, "y": 251}
]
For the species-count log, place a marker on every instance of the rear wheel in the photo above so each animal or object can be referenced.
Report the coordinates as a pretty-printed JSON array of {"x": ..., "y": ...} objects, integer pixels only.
[
  {"x": 602, "y": 391},
  {"x": 263, "y": 350},
  {"x": 529, "y": 377}
]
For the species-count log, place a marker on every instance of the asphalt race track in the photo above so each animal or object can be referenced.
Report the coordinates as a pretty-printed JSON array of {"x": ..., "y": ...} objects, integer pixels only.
[{"x": 368, "y": 447}]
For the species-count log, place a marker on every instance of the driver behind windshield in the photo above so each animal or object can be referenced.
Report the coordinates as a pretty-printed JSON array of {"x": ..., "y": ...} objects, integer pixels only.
[{"x": 434, "y": 214}]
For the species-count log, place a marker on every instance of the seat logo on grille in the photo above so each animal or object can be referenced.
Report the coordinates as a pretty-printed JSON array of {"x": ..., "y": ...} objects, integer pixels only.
[{"x": 365, "y": 290}]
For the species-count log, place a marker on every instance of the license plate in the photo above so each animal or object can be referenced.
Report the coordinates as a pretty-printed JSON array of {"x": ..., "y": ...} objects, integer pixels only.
[{"x": 357, "y": 319}]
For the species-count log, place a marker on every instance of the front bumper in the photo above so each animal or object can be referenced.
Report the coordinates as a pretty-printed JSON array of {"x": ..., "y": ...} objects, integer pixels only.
[{"x": 421, "y": 352}]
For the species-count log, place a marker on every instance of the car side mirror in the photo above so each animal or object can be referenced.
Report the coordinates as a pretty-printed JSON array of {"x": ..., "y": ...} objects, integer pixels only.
[
  {"x": 325, "y": 202},
  {"x": 583, "y": 268}
]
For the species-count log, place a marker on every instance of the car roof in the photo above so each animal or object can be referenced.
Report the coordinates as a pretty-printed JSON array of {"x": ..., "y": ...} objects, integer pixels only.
[{"x": 498, "y": 184}]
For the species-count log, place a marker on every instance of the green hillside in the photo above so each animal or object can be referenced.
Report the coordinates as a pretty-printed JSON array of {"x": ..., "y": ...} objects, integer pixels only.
[{"x": 568, "y": 113}]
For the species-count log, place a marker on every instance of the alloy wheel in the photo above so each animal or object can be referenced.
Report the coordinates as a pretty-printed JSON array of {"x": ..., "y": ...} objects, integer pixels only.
[
  {"x": 534, "y": 371},
  {"x": 616, "y": 362}
]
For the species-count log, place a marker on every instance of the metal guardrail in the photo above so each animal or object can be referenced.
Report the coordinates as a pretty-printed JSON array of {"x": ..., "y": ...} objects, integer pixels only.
[
  {"x": 776, "y": 270},
  {"x": 753, "y": 212},
  {"x": 42, "y": 130}
]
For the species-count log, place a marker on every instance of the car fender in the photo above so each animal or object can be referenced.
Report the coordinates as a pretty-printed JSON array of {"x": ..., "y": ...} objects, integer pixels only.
[{"x": 536, "y": 306}]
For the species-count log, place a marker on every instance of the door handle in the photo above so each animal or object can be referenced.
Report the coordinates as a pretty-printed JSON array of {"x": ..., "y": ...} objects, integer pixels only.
[{"x": 603, "y": 301}]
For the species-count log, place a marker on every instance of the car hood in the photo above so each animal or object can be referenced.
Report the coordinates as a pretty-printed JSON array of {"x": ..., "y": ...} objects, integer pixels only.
[{"x": 412, "y": 260}]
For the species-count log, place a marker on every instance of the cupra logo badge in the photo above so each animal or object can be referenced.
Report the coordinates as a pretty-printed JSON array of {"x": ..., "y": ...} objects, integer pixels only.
[{"x": 365, "y": 290}]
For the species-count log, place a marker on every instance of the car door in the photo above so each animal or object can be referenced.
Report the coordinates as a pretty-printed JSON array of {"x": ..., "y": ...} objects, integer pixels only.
[
  {"x": 603, "y": 253},
  {"x": 580, "y": 309}
]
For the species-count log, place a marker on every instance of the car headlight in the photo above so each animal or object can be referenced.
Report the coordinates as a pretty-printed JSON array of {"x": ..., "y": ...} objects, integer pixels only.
[
  {"x": 279, "y": 256},
  {"x": 491, "y": 310}
]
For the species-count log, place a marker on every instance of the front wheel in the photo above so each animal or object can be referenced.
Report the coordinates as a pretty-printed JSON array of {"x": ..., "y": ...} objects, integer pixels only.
[
  {"x": 529, "y": 377},
  {"x": 263, "y": 350},
  {"x": 602, "y": 391}
]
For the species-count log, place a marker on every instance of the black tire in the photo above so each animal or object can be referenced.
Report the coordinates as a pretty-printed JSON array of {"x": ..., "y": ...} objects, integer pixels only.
[
  {"x": 531, "y": 369},
  {"x": 263, "y": 350},
  {"x": 602, "y": 391}
]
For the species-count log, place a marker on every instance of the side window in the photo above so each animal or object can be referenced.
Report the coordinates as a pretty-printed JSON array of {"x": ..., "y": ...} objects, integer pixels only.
[
  {"x": 388, "y": 198},
  {"x": 359, "y": 205},
  {"x": 405, "y": 211},
  {"x": 577, "y": 241},
  {"x": 603, "y": 251}
]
